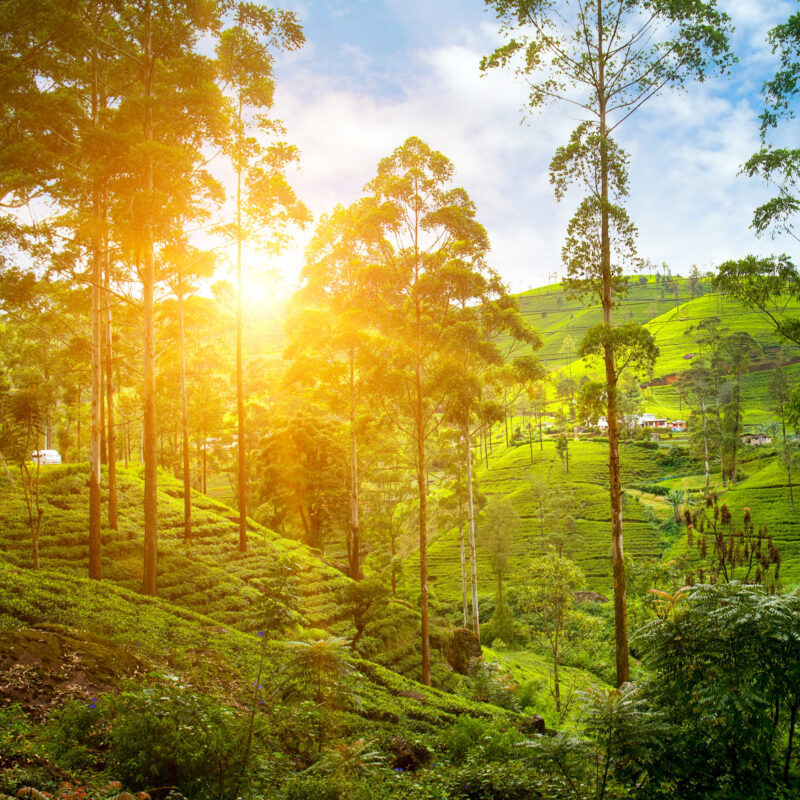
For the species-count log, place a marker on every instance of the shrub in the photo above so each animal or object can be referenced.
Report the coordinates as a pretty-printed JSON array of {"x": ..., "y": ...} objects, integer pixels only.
[
  {"x": 73, "y": 735},
  {"x": 169, "y": 735}
]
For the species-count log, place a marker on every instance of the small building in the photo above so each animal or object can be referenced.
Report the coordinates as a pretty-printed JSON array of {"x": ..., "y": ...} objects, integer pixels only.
[
  {"x": 756, "y": 439},
  {"x": 678, "y": 425},
  {"x": 652, "y": 421}
]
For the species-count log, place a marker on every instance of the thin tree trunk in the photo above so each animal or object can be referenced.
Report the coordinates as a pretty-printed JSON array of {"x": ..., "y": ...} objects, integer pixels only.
[
  {"x": 705, "y": 449},
  {"x": 96, "y": 375},
  {"x": 462, "y": 552},
  {"x": 473, "y": 566},
  {"x": 423, "y": 510},
  {"x": 790, "y": 743},
  {"x": 617, "y": 554},
  {"x": 187, "y": 475},
  {"x": 205, "y": 461},
  {"x": 150, "y": 431},
  {"x": 355, "y": 557},
  {"x": 240, "y": 420},
  {"x": 111, "y": 438}
]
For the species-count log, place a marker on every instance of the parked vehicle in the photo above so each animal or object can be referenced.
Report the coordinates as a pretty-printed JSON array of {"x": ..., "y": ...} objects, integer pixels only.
[{"x": 46, "y": 456}]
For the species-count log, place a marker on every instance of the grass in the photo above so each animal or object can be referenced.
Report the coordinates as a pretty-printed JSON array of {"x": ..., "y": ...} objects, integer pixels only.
[
  {"x": 210, "y": 576},
  {"x": 558, "y": 318},
  {"x": 511, "y": 474}
]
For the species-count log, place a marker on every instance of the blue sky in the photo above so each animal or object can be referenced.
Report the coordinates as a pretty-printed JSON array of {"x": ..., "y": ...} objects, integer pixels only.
[{"x": 374, "y": 72}]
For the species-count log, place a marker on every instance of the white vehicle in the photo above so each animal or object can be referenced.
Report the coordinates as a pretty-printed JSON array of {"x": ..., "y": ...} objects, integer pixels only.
[{"x": 46, "y": 456}]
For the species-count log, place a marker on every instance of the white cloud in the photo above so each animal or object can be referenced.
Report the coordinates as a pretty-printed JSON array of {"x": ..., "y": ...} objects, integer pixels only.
[{"x": 686, "y": 150}]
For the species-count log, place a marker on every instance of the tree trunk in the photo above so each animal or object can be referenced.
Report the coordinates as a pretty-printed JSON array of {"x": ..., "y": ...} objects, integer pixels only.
[
  {"x": 187, "y": 476},
  {"x": 150, "y": 431},
  {"x": 96, "y": 375},
  {"x": 205, "y": 461},
  {"x": 240, "y": 421},
  {"x": 111, "y": 438},
  {"x": 96, "y": 395},
  {"x": 473, "y": 566},
  {"x": 617, "y": 554},
  {"x": 355, "y": 557},
  {"x": 462, "y": 554},
  {"x": 790, "y": 743},
  {"x": 423, "y": 511},
  {"x": 705, "y": 449}
]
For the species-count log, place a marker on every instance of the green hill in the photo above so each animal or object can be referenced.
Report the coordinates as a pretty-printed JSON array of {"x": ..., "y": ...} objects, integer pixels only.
[
  {"x": 210, "y": 576},
  {"x": 511, "y": 474},
  {"x": 562, "y": 321}
]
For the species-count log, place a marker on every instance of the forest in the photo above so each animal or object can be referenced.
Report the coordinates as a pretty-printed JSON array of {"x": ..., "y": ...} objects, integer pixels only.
[{"x": 391, "y": 530}]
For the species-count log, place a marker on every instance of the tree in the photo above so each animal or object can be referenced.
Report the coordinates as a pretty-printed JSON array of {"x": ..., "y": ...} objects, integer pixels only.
[
  {"x": 737, "y": 349},
  {"x": 431, "y": 273},
  {"x": 548, "y": 597},
  {"x": 699, "y": 388},
  {"x": 779, "y": 166},
  {"x": 300, "y": 466},
  {"x": 537, "y": 395},
  {"x": 607, "y": 60},
  {"x": 722, "y": 670},
  {"x": 22, "y": 425},
  {"x": 501, "y": 524},
  {"x": 189, "y": 265},
  {"x": 265, "y": 204},
  {"x": 329, "y": 337},
  {"x": 566, "y": 390}
]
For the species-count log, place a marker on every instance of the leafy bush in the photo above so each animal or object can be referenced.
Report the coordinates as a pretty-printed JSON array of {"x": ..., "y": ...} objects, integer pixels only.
[
  {"x": 169, "y": 736},
  {"x": 73, "y": 735}
]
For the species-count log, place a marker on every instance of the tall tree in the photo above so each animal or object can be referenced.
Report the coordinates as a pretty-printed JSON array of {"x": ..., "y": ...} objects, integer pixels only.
[
  {"x": 780, "y": 392},
  {"x": 188, "y": 266},
  {"x": 171, "y": 109},
  {"x": 432, "y": 268},
  {"x": 738, "y": 349},
  {"x": 264, "y": 202},
  {"x": 329, "y": 336},
  {"x": 606, "y": 59}
]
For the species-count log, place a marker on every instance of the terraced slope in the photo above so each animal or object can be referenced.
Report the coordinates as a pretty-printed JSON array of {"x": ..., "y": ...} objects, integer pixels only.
[
  {"x": 765, "y": 492},
  {"x": 671, "y": 319},
  {"x": 210, "y": 577},
  {"x": 196, "y": 646},
  {"x": 510, "y": 474}
]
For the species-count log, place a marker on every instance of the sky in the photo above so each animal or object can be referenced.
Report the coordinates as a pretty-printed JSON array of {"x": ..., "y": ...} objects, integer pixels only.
[{"x": 374, "y": 72}]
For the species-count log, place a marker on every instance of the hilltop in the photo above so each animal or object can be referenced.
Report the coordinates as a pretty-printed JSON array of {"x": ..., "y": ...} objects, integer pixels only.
[{"x": 670, "y": 309}]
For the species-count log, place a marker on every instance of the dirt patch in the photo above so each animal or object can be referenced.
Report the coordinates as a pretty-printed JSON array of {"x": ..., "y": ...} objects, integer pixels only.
[{"x": 42, "y": 668}]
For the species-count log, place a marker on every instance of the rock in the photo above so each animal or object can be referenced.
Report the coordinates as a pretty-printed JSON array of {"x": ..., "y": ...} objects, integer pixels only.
[
  {"x": 408, "y": 756},
  {"x": 462, "y": 649},
  {"x": 533, "y": 724}
]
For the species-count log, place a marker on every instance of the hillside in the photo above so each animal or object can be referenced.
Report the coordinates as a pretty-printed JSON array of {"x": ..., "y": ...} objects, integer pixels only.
[
  {"x": 210, "y": 576},
  {"x": 562, "y": 321},
  {"x": 511, "y": 474}
]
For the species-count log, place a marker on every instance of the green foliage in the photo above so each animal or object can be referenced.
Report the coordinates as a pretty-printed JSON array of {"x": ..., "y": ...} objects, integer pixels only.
[
  {"x": 721, "y": 673},
  {"x": 168, "y": 735},
  {"x": 14, "y": 726}
]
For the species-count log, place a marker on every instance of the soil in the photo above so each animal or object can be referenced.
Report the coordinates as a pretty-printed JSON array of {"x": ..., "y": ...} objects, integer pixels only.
[{"x": 42, "y": 668}]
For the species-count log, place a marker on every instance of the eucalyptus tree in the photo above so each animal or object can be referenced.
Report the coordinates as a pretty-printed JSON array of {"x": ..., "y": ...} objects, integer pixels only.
[
  {"x": 737, "y": 350},
  {"x": 699, "y": 387},
  {"x": 780, "y": 391},
  {"x": 431, "y": 275},
  {"x": 330, "y": 335},
  {"x": 188, "y": 266},
  {"x": 265, "y": 204},
  {"x": 62, "y": 82},
  {"x": 171, "y": 109},
  {"x": 606, "y": 60}
]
